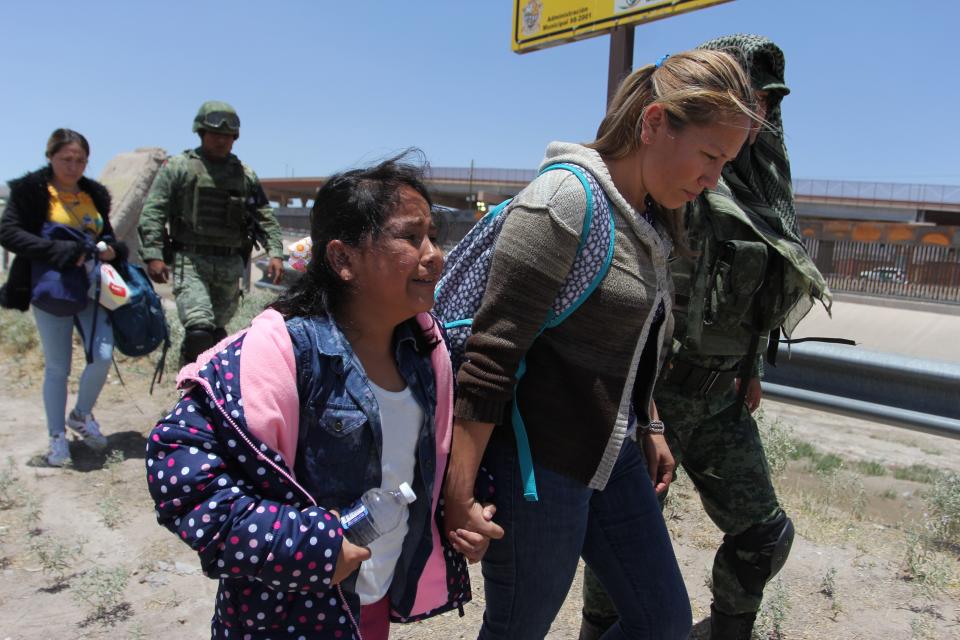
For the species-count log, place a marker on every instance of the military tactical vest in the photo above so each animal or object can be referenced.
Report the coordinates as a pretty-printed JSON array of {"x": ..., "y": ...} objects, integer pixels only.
[
  {"x": 739, "y": 284},
  {"x": 214, "y": 204}
]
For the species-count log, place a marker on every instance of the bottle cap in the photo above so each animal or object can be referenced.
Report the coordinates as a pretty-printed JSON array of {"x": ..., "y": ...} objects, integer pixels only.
[{"x": 407, "y": 492}]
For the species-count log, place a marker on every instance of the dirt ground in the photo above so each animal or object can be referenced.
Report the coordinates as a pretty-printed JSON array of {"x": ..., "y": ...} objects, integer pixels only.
[{"x": 857, "y": 570}]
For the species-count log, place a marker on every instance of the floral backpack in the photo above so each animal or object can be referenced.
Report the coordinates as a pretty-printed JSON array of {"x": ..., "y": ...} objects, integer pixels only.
[{"x": 460, "y": 290}]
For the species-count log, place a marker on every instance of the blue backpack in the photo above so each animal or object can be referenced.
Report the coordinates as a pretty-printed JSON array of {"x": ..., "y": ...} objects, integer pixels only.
[
  {"x": 464, "y": 281},
  {"x": 140, "y": 326}
]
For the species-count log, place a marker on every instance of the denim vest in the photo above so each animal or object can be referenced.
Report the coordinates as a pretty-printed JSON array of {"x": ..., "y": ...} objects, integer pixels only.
[{"x": 340, "y": 440}]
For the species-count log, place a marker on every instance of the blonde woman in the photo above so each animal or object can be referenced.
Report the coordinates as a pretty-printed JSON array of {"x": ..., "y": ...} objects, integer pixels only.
[{"x": 586, "y": 391}]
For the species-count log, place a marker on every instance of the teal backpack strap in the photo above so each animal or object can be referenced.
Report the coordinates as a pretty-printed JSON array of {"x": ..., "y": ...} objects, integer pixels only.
[{"x": 601, "y": 235}]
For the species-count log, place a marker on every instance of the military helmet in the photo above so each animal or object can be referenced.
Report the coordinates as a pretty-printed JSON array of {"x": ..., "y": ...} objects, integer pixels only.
[{"x": 218, "y": 117}]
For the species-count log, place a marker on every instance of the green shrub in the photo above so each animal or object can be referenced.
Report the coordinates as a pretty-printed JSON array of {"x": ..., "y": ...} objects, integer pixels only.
[
  {"x": 773, "y": 613},
  {"x": 778, "y": 443},
  {"x": 928, "y": 569},
  {"x": 870, "y": 468},
  {"x": 11, "y": 491},
  {"x": 918, "y": 473},
  {"x": 944, "y": 504},
  {"x": 56, "y": 555},
  {"x": 828, "y": 587},
  {"x": 102, "y": 591},
  {"x": 802, "y": 450},
  {"x": 17, "y": 331},
  {"x": 827, "y": 464},
  {"x": 111, "y": 511}
]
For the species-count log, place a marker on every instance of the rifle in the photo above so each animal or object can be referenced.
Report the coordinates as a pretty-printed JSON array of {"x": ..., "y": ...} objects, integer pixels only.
[{"x": 256, "y": 236}]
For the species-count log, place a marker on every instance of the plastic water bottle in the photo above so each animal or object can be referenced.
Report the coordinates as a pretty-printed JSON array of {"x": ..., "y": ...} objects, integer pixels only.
[{"x": 376, "y": 513}]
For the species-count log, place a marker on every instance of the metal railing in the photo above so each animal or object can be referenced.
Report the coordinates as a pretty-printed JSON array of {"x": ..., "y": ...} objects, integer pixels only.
[
  {"x": 865, "y": 191},
  {"x": 915, "y": 271},
  {"x": 898, "y": 390}
]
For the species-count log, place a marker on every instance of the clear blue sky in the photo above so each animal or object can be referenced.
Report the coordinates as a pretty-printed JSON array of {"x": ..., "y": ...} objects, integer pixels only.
[{"x": 322, "y": 86}]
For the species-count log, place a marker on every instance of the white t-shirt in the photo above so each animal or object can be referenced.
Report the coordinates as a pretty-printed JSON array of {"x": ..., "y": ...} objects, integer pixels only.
[{"x": 400, "y": 420}]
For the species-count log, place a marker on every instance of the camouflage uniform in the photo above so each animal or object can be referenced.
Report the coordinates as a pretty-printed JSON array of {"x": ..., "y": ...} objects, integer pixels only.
[
  {"x": 747, "y": 279},
  {"x": 213, "y": 212}
]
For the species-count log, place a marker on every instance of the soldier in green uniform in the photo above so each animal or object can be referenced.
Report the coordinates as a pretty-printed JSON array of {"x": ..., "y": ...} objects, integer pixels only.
[
  {"x": 210, "y": 210},
  {"x": 745, "y": 279}
]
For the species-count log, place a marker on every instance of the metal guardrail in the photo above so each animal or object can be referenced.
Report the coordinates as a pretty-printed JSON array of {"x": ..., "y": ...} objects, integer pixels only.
[{"x": 898, "y": 390}]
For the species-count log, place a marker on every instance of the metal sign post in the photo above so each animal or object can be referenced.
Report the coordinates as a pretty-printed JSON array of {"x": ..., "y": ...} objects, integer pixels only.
[{"x": 621, "y": 58}]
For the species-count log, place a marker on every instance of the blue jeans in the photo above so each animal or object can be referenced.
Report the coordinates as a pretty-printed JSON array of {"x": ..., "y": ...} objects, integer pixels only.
[
  {"x": 56, "y": 336},
  {"x": 620, "y": 533}
]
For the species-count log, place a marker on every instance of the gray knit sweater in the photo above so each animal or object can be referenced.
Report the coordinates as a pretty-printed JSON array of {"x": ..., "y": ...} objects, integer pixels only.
[{"x": 581, "y": 376}]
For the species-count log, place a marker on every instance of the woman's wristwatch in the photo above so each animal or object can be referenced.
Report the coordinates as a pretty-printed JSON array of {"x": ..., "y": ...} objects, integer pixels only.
[{"x": 654, "y": 427}]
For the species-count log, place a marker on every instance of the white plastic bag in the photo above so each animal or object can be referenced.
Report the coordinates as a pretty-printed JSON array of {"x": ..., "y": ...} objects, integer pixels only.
[{"x": 113, "y": 290}]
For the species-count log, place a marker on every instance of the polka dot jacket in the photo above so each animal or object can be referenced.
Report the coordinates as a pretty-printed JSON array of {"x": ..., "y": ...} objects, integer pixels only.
[{"x": 227, "y": 479}]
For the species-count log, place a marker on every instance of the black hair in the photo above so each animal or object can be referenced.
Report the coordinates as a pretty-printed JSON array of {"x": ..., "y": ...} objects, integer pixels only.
[
  {"x": 352, "y": 207},
  {"x": 62, "y": 137}
]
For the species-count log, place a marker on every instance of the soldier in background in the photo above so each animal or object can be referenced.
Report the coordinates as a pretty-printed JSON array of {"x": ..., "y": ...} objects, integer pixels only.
[
  {"x": 744, "y": 277},
  {"x": 204, "y": 214}
]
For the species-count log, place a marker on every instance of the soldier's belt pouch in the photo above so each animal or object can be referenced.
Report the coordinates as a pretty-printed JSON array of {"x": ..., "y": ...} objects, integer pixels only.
[{"x": 737, "y": 276}]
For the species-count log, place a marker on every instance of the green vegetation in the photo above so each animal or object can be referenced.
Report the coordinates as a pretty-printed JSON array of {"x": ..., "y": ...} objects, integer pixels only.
[
  {"x": 114, "y": 465},
  {"x": 11, "y": 491},
  {"x": 56, "y": 556},
  {"x": 924, "y": 566},
  {"x": 111, "y": 511},
  {"x": 802, "y": 449},
  {"x": 827, "y": 463},
  {"x": 102, "y": 591},
  {"x": 828, "y": 587},
  {"x": 773, "y": 613},
  {"x": 822, "y": 463},
  {"x": 944, "y": 504},
  {"x": 778, "y": 443},
  {"x": 918, "y": 473},
  {"x": 870, "y": 468},
  {"x": 18, "y": 334},
  {"x": 32, "y": 509}
]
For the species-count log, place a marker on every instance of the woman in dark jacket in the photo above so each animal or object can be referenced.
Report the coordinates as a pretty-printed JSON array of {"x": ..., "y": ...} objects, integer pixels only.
[{"x": 60, "y": 194}]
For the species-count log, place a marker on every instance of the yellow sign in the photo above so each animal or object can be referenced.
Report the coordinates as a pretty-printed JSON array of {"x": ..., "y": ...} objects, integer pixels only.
[{"x": 547, "y": 23}]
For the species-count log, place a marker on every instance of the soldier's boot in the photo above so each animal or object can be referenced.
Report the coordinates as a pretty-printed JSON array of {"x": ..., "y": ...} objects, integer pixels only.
[
  {"x": 219, "y": 334},
  {"x": 195, "y": 342},
  {"x": 728, "y": 627}
]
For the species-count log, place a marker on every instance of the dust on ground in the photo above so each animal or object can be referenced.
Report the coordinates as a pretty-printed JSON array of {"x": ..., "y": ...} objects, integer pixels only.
[{"x": 857, "y": 569}]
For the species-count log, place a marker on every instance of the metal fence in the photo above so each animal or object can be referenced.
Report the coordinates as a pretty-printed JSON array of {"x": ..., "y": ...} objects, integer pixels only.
[{"x": 922, "y": 272}]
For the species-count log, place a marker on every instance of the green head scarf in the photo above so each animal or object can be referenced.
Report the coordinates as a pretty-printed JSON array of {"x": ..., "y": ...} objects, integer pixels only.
[
  {"x": 760, "y": 174},
  {"x": 757, "y": 184}
]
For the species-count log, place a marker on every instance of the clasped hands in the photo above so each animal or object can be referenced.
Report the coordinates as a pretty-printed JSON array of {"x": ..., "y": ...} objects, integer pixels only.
[{"x": 470, "y": 526}]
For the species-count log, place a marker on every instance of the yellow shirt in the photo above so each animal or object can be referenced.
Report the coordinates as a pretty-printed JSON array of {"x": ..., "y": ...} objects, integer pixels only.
[{"x": 76, "y": 210}]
